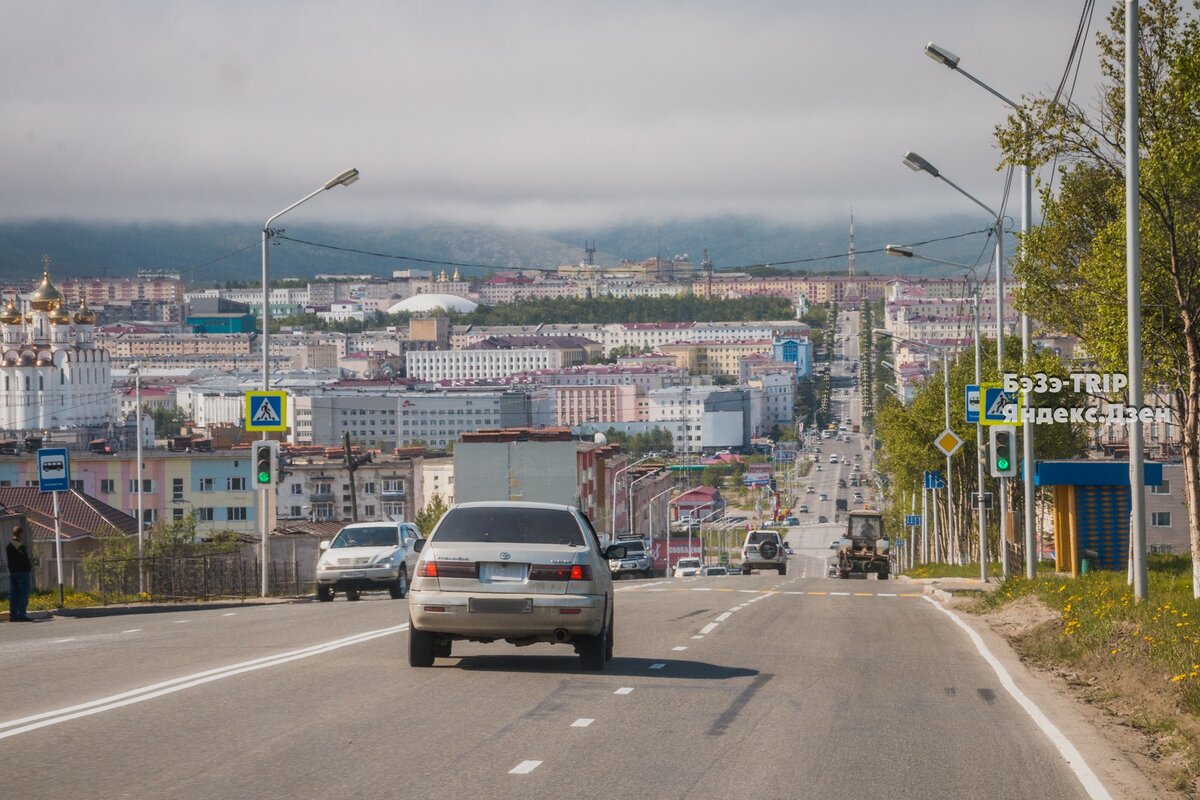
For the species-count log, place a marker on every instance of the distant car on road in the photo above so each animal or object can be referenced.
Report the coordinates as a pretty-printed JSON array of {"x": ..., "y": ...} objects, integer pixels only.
[
  {"x": 803, "y": 509},
  {"x": 809, "y": 490},
  {"x": 823, "y": 496},
  {"x": 792, "y": 521},
  {"x": 787, "y": 548},
  {"x": 822, "y": 518},
  {"x": 715, "y": 571},
  {"x": 688, "y": 567},
  {"x": 833, "y": 569},
  {"x": 735, "y": 570}
]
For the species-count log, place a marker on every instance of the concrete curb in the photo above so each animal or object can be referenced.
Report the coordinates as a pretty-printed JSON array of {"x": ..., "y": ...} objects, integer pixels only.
[{"x": 160, "y": 608}]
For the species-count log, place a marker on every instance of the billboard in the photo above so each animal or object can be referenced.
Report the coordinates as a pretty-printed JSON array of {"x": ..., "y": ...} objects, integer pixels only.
[{"x": 681, "y": 547}]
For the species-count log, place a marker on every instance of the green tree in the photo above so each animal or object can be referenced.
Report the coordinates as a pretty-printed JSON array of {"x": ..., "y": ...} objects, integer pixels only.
[
  {"x": 168, "y": 421},
  {"x": 906, "y": 433},
  {"x": 429, "y": 516},
  {"x": 1073, "y": 265}
]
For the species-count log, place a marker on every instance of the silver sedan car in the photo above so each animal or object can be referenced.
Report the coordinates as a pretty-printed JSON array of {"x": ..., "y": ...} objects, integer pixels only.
[{"x": 517, "y": 572}]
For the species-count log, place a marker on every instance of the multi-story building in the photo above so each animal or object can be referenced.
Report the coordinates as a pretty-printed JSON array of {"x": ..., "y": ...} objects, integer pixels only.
[
  {"x": 387, "y": 487},
  {"x": 574, "y": 405},
  {"x": 97, "y": 292},
  {"x": 324, "y": 416},
  {"x": 438, "y": 419},
  {"x": 714, "y": 358},
  {"x": 797, "y": 352},
  {"x": 437, "y": 478},
  {"x": 498, "y": 357},
  {"x": 156, "y": 345}
]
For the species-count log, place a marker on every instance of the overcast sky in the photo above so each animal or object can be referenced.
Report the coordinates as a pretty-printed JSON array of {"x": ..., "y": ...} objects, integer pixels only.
[{"x": 524, "y": 114}]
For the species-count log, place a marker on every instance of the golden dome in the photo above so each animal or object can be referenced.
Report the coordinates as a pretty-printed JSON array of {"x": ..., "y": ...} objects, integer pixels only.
[
  {"x": 10, "y": 316},
  {"x": 60, "y": 315},
  {"x": 85, "y": 316},
  {"x": 46, "y": 297}
]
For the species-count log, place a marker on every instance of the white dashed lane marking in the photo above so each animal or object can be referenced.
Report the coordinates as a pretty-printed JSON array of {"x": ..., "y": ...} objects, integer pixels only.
[
  {"x": 133, "y": 630},
  {"x": 707, "y": 629},
  {"x": 679, "y": 649},
  {"x": 724, "y": 616},
  {"x": 524, "y": 768},
  {"x": 181, "y": 621},
  {"x": 230, "y": 614},
  {"x": 64, "y": 641},
  {"x": 582, "y": 722},
  {"x": 624, "y": 690}
]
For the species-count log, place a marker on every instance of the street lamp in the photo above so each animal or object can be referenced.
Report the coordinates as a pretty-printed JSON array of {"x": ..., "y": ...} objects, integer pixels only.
[
  {"x": 345, "y": 179},
  {"x": 918, "y": 164},
  {"x": 629, "y": 497},
  {"x": 949, "y": 60},
  {"x": 981, "y": 512},
  {"x": 613, "y": 505},
  {"x": 136, "y": 369},
  {"x": 667, "y": 548}
]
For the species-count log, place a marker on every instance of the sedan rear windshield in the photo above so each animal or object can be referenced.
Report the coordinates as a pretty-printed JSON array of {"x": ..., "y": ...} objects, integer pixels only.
[
  {"x": 382, "y": 536},
  {"x": 510, "y": 525}
]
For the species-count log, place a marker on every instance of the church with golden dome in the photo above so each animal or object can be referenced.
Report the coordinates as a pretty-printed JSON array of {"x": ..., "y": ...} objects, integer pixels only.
[{"x": 53, "y": 374}]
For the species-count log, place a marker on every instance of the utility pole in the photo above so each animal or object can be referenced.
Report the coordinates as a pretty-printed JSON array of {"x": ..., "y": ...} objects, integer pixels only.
[{"x": 351, "y": 466}]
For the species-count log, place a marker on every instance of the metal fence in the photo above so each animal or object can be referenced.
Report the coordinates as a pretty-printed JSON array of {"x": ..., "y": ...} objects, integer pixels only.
[{"x": 209, "y": 577}]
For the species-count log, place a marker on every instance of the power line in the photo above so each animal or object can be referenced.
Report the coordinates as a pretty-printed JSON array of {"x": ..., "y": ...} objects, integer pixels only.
[{"x": 631, "y": 269}]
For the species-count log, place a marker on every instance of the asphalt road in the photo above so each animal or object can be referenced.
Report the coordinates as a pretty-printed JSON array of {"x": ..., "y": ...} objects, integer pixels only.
[
  {"x": 756, "y": 686},
  {"x": 752, "y": 686}
]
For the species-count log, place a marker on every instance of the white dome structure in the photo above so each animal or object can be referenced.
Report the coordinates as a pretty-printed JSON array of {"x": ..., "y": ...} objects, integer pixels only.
[{"x": 425, "y": 303}]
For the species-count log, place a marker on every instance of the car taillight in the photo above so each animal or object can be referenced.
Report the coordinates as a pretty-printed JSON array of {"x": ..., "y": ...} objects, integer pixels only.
[
  {"x": 449, "y": 569},
  {"x": 551, "y": 572}
]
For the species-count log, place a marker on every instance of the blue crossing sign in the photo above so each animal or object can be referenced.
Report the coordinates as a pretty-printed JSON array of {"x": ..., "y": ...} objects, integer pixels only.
[
  {"x": 266, "y": 411},
  {"x": 1000, "y": 407},
  {"x": 912, "y": 520},
  {"x": 54, "y": 469}
]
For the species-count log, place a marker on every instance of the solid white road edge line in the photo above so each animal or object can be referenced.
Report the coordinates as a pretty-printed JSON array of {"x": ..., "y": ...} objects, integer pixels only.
[
  {"x": 47, "y": 718},
  {"x": 1083, "y": 772},
  {"x": 524, "y": 768}
]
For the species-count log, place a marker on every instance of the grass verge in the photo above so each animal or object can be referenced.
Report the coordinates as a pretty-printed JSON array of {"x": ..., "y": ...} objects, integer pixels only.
[
  {"x": 1139, "y": 661},
  {"x": 970, "y": 570},
  {"x": 48, "y": 601}
]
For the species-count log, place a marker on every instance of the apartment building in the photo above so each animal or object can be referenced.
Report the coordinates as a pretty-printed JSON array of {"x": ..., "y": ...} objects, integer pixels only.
[
  {"x": 497, "y": 357},
  {"x": 438, "y": 419},
  {"x": 318, "y": 489}
]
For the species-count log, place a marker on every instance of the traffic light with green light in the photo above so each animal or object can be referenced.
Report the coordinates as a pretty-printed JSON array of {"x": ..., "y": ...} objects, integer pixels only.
[
  {"x": 265, "y": 462},
  {"x": 1002, "y": 459}
]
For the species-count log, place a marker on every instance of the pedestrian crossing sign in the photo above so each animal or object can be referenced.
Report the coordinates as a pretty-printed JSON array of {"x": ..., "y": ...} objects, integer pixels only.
[
  {"x": 266, "y": 411},
  {"x": 1000, "y": 407}
]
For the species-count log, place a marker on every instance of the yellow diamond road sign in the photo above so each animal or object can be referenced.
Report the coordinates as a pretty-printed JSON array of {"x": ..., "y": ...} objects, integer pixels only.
[{"x": 948, "y": 442}]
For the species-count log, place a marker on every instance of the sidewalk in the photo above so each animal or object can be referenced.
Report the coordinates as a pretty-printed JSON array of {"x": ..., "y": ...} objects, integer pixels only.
[{"x": 120, "y": 609}]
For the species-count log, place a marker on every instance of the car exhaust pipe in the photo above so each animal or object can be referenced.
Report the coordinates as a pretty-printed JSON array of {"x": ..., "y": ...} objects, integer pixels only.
[{"x": 561, "y": 635}]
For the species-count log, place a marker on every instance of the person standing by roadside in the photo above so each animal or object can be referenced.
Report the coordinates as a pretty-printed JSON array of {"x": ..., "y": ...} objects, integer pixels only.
[{"x": 20, "y": 569}]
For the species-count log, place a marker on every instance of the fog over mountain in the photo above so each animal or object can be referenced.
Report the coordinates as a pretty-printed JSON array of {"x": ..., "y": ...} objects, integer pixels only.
[{"x": 209, "y": 253}]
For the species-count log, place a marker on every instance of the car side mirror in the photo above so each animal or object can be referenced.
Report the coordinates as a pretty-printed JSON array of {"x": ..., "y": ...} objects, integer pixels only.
[
  {"x": 323, "y": 546},
  {"x": 615, "y": 551},
  {"x": 408, "y": 542},
  {"x": 418, "y": 545}
]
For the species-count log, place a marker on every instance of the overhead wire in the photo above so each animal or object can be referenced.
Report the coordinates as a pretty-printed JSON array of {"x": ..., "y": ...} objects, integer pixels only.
[{"x": 630, "y": 269}]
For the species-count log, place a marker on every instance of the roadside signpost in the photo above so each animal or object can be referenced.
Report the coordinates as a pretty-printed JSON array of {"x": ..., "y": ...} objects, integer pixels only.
[
  {"x": 948, "y": 442},
  {"x": 54, "y": 476},
  {"x": 972, "y": 403},
  {"x": 1000, "y": 407},
  {"x": 266, "y": 411}
]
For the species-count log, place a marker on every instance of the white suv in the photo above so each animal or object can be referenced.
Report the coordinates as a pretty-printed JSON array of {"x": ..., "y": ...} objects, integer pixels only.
[
  {"x": 366, "y": 557},
  {"x": 688, "y": 567},
  {"x": 764, "y": 550}
]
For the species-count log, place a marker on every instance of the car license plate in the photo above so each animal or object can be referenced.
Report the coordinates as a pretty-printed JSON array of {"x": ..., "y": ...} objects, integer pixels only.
[
  {"x": 354, "y": 573},
  {"x": 502, "y": 572},
  {"x": 499, "y": 605}
]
